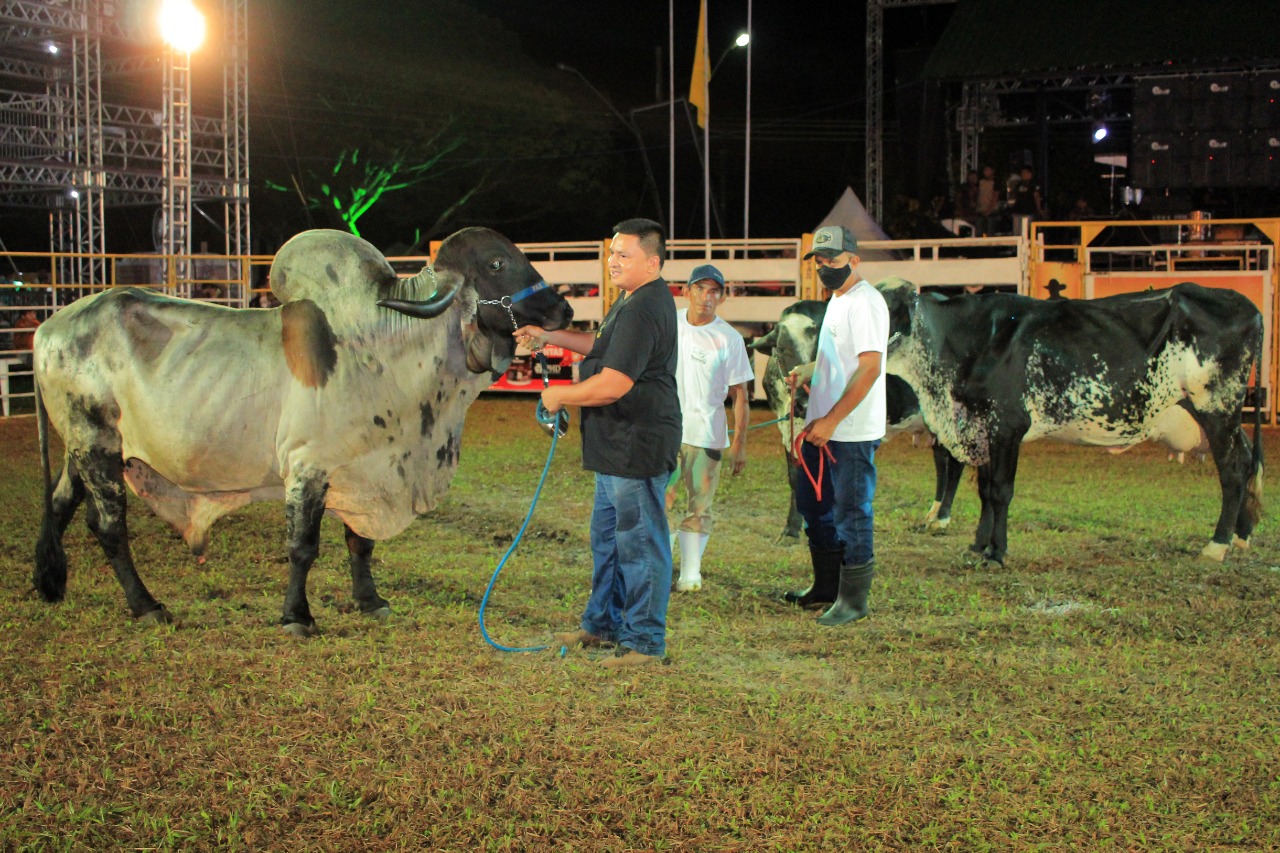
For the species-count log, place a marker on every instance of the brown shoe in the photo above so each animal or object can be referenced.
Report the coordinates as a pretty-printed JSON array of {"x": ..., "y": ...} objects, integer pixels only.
[
  {"x": 573, "y": 639},
  {"x": 631, "y": 658}
]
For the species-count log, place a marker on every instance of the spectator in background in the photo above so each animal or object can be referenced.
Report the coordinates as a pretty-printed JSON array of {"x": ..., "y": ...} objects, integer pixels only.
[
  {"x": 967, "y": 198},
  {"x": 1026, "y": 201},
  {"x": 987, "y": 203},
  {"x": 1081, "y": 209},
  {"x": 27, "y": 320}
]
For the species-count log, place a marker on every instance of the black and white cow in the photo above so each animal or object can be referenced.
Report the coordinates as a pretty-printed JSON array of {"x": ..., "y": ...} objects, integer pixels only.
[
  {"x": 349, "y": 399},
  {"x": 794, "y": 341},
  {"x": 994, "y": 371}
]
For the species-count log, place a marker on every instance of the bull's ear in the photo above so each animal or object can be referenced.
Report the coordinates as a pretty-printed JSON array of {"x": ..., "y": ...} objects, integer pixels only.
[{"x": 766, "y": 343}]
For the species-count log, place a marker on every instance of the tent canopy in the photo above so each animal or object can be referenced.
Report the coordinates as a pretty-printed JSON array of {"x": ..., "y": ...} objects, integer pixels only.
[{"x": 850, "y": 212}]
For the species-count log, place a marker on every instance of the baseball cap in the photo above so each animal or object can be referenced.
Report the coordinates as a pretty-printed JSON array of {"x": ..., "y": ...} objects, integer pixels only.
[
  {"x": 831, "y": 240},
  {"x": 706, "y": 271}
]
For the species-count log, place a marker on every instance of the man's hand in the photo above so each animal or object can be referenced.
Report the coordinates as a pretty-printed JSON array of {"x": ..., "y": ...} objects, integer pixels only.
[
  {"x": 533, "y": 338},
  {"x": 737, "y": 456},
  {"x": 800, "y": 375},
  {"x": 819, "y": 431},
  {"x": 551, "y": 398}
]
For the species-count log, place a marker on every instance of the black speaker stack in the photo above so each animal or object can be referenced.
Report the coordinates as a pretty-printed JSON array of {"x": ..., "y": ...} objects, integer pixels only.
[{"x": 1210, "y": 130}]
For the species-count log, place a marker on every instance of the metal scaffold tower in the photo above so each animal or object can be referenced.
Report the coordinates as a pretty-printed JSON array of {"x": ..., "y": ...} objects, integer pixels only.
[
  {"x": 874, "y": 194},
  {"x": 96, "y": 113}
]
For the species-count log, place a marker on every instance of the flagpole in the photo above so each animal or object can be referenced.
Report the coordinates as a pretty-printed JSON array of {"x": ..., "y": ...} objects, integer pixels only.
[
  {"x": 671, "y": 119},
  {"x": 746, "y": 169},
  {"x": 706, "y": 126}
]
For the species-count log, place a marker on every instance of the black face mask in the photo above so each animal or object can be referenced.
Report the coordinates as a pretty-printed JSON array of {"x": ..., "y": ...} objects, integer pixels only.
[{"x": 833, "y": 278}]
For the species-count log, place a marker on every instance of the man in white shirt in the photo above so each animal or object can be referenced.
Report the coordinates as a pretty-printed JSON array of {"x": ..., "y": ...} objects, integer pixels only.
[
  {"x": 843, "y": 428},
  {"x": 711, "y": 366}
]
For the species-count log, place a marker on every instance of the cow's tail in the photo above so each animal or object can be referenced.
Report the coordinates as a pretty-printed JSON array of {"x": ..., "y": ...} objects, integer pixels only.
[
  {"x": 1253, "y": 494},
  {"x": 50, "y": 573}
]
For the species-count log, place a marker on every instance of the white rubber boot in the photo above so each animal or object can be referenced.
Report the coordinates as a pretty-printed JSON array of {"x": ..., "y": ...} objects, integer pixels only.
[{"x": 692, "y": 546}]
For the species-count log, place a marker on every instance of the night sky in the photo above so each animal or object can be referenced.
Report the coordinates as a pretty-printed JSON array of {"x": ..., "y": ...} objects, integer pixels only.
[{"x": 807, "y": 101}]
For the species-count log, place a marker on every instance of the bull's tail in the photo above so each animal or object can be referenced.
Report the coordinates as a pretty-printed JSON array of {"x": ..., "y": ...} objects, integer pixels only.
[
  {"x": 1253, "y": 494},
  {"x": 50, "y": 574}
]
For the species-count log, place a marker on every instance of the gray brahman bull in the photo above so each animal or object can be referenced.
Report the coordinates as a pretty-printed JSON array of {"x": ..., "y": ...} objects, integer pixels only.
[{"x": 348, "y": 399}]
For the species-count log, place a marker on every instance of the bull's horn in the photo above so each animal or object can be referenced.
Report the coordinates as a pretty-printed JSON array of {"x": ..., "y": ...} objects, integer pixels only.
[{"x": 433, "y": 307}]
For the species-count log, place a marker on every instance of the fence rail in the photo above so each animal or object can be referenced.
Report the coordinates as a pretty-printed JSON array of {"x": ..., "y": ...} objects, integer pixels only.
[{"x": 764, "y": 276}]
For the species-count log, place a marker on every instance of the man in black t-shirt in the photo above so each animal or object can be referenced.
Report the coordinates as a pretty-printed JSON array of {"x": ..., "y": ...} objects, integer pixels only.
[{"x": 630, "y": 437}]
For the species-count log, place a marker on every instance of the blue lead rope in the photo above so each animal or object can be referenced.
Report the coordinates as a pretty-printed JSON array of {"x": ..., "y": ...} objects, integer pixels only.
[{"x": 559, "y": 423}]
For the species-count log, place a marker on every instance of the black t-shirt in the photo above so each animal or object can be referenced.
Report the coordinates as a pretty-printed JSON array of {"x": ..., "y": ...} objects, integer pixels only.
[{"x": 639, "y": 434}]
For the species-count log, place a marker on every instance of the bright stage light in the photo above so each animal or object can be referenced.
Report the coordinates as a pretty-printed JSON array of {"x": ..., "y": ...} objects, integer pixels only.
[
  {"x": 181, "y": 25},
  {"x": 1099, "y": 131},
  {"x": 743, "y": 39}
]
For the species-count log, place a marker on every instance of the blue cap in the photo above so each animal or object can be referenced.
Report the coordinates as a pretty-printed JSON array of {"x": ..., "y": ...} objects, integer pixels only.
[{"x": 705, "y": 272}]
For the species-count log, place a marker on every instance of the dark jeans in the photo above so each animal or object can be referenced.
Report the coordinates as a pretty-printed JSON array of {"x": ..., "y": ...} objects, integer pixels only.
[
  {"x": 631, "y": 549},
  {"x": 842, "y": 520}
]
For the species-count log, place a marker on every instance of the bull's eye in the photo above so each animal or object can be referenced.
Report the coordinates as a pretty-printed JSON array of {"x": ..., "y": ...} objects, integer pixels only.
[{"x": 495, "y": 264}]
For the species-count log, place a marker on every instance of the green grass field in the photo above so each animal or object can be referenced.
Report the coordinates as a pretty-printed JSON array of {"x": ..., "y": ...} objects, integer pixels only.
[{"x": 1106, "y": 690}]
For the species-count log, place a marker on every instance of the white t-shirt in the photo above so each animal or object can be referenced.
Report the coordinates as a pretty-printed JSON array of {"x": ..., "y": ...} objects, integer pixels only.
[
  {"x": 711, "y": 358},
  {"x": 856, "y": 322}
]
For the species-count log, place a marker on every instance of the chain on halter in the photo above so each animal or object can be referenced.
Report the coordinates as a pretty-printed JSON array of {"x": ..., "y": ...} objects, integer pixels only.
[{"x": 508, "y": 301}]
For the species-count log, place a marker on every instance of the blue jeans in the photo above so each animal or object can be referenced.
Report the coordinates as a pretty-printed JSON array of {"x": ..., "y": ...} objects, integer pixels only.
[
  {"x": 631, "y": 550},
  {"x": 842, "y": 520}
]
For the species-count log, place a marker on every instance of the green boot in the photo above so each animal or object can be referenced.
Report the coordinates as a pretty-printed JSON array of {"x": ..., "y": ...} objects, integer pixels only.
[
  {"x": 851, "y": 603},
  {"x": 826, "y": 579}
]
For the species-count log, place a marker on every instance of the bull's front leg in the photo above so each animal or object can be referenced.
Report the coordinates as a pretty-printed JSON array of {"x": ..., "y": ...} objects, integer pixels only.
[
  {"x": 946, "y": 470},
  {"x": 995, "y": 486},
  {"x": 304, "y": 508},
  {"x": 363, "y": 589},
  {"x": 790, "y": 534}
]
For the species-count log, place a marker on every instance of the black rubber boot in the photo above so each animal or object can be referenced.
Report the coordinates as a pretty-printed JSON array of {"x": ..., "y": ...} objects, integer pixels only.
[
  {"x": 826, "y": 579},
  {"x": 851, "y": 604}
]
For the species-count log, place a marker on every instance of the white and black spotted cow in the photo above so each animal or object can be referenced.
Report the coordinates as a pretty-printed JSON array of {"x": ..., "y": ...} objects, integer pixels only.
[
  {"x": 348, "y": 399},
  {"x": 794, "y": 341},
  {"x": 994, "y": 371}
]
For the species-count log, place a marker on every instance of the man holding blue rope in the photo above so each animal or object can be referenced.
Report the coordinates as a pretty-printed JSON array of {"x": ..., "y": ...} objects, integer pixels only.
[{"x": 631, "y": 431}]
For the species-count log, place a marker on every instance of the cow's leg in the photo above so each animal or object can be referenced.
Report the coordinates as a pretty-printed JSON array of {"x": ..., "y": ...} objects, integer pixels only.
[
  {"x": 103, "y": 474},
  {"x": 1232, "y": 454},
  {"x": 947, "y": 470},
  {"x": 363, "y": 589},
  {"x": 50, "y": 575},
  {"x": 1251, "y": 505},
  {"x": 995, "y": 484},
  {"x": 304, "y": 509},
  {"x": 790, "y": 534}
]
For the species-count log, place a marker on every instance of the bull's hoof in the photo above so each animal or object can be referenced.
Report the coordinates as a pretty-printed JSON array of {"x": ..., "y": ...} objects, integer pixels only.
[
  {"x": 1242, "y": 544},
  {"x": 381, "y": 614},
  {"x": 787, "y": 540},
  {"x": 159, "y": 616},
  {"x": 299, "y": 631},
  {"x": 937, "y": 526},
  {"x": 1215, "y": 551}
]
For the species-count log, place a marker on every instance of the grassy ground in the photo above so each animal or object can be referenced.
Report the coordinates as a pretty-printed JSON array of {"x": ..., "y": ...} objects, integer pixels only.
[{"x": 1105, "y": 691}]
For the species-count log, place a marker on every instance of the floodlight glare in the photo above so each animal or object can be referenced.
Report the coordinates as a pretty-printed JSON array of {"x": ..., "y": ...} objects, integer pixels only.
[
  {"x": 1099, "y": 131},
  {"x": 743, "y": 39},
  {"x": 181, "y": 25}
]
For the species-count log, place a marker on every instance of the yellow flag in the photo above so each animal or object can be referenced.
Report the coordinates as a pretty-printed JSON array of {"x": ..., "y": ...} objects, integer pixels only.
[{"x": 701, "y": 71}]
